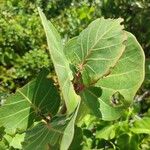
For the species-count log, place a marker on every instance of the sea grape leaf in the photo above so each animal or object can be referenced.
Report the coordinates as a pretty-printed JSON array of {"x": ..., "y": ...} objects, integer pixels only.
[
  {"x": 61, "y": 64},
  {"x": 123, "y": 82},
  {"x": 44, "y": 135},
  {"x": 141, "y": 126},
  {"x": 47, "y": 135},
  {"x": 38, "y": 97},
  {"x": 97, "y": 107},
  {"x": 125, "y": 78},
  {"x": 97, "y": 48}
]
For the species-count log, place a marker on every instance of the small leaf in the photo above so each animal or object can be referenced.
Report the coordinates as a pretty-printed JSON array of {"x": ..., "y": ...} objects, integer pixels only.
[
  {"x": 106, "y": 133},
  {"x": 61, "y": 64},
  {"x": 35, "y": 100},
  {"x": 106, "y": 60},
  {"x": 141, "y": 126}
]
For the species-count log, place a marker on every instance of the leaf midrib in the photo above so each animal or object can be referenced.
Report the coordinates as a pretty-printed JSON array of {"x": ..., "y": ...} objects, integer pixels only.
[{"x": 29, "y": 101}]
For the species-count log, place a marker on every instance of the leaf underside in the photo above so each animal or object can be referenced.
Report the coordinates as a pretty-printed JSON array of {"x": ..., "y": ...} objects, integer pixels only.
[
  {"x": 61, "y": 64},
  {"x": 126, "y": 78}
]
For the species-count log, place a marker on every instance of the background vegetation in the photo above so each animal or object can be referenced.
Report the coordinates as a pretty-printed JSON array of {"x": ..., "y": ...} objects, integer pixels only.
[{"x": 23, "y": 52}]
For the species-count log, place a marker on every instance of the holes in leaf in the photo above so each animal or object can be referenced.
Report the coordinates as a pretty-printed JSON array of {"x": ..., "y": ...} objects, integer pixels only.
[{"x": 117, "y": 99}]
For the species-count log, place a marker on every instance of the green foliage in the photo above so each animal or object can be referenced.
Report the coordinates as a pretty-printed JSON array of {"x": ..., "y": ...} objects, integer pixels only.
[
  {"x": 23, "y": 46},
  {"x": 22, "y": 32},
  {"x": 147, "y": 74},
  {"x": 92, "y": 79}
]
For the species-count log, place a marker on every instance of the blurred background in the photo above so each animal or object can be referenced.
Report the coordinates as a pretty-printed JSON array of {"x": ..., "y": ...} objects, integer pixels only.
[{"x": 23, "y": 48}]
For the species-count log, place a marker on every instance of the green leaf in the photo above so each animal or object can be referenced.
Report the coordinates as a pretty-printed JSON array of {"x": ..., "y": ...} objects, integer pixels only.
[
  {"x": 69, "y": 132},
  {"x": 90, "y": 98},
  {"x": 141, "y": 126},
  {"x": 61, "y": 64},
  {"x": 16, "y": 141},
  {"x": 107, "y": 132},
  {"x": 38, "y": 99},
  {"x": 2, "y": 145},
  {"x": 97, "y": 48},
  {"x": 128, "y": 142},
  {"x": 43, "y": 136},
  {"x": 125, "y": 78},
  {"x": 2, "y": 132},
  {"x": 145, "y": 144},
  {"x": 47, "y": 135},
  {"x": 106, "y": 60},
  {"x": 77, "y": 140}
]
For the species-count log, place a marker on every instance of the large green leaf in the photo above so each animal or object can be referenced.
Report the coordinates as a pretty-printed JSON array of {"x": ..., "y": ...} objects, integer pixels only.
[
  {"x": 49, "y": 135},
  {"x": 141, "y": 126},
  {"x": 61, "y": 64},
  {"x": 97, "y": 48},
  {"x": 35, "y": 100},
  {"x": 125, "y": 78},
  {"x": 122, "y": 80}
]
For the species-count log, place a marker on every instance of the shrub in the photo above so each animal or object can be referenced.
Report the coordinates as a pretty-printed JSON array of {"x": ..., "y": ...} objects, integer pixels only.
[{"x": 99, "y": 73}]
